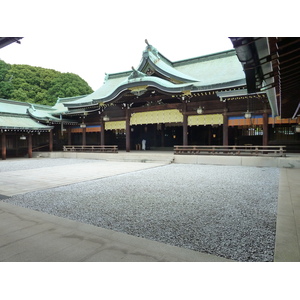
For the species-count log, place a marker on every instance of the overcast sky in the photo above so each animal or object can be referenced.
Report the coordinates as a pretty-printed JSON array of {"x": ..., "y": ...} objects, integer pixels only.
[
  {"x": 91, "y": 38},
  {"x": 91, "y": 58}
]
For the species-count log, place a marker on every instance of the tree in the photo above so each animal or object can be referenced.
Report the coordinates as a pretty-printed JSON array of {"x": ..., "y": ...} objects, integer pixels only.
[
  {"x": 19, "y": 95},
  {"x": 68, "y": 85},
  {"x": 6, "y": 89},
  {"x": 6, "y": 86},
  {"x": 39, "y": 85},
  {"x": 4, "y": 67}
]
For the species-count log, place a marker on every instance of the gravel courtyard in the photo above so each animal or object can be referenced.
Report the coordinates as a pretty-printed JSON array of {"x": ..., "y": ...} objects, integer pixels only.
[{"x": 226, "y": 211}]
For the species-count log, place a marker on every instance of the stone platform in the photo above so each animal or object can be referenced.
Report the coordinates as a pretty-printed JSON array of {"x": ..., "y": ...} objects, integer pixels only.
[{"x": 290, "y": 161}]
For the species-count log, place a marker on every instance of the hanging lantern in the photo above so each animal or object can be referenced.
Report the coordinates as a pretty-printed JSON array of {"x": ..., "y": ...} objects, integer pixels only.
[
  {"x": 199, "y": 110},
  {"x": 105, "y": 118},
  {"x": 247, "y": 114}
]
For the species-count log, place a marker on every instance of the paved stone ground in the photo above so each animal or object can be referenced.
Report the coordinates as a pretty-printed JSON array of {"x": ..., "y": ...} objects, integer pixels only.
[{"x": 214, "y": 209}]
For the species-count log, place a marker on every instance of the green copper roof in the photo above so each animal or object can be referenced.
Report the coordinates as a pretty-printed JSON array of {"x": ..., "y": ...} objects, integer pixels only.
[
  {"x": 14, "y": 107},
  {"x": 49, "y": 114},
  {"x": 215, "y": 71},
  {"x": 109, "y": 85},
  {"x": 105, "y": 95},
  {"x": 217, "y": 68},
  {"x": 153, "y": 60},
  {"x": 19, "y": 122},
  {"x": 21, "y": 115}
]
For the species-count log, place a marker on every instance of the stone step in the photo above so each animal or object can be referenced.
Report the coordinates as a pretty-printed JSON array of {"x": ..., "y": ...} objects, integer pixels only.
[
  {"x": 145, "y": 157},
  {"x": 290, "y": 161}
]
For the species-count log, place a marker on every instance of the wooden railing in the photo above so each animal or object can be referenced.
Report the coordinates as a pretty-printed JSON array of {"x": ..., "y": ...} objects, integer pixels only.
[
  {"x": 92, "y": 148},
  {"x": 232, "y": 150}
]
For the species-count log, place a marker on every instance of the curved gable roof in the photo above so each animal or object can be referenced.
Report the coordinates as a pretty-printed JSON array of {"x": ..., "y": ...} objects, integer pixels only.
[
  {"x": 219, "y": 70},
  {"x": 155, "y": 61}
]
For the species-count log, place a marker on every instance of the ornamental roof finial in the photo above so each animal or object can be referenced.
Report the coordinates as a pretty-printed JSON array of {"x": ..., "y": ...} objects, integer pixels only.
[
  {"x": 136, "y": 74},
  {"x": 146, "y": 41}
]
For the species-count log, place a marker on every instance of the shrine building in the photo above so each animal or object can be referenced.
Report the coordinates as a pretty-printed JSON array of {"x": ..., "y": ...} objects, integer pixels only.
[{"x": 225, "y": 98}]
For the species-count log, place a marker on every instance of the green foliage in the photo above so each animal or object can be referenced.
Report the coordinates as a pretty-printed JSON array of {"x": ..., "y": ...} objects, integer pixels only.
[
  {"x": 68, "y": 85},
  {"x": 6, "y": 86},
  {"x": 38, "y": 85}
]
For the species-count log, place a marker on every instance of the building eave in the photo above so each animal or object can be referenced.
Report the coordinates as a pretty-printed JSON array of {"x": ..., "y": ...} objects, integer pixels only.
[
  {"x": 253, "y": 54},
  {"x": 14, "y": 122}
]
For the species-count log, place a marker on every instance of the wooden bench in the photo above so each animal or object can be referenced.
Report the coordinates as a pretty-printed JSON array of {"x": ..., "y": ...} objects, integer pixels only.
[
  {"x": 91, "y": 148},
  {"x": 232, "y": 150}
]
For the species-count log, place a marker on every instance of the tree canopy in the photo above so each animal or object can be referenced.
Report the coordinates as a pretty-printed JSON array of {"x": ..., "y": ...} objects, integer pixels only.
[{"x": 39, "y": 85}]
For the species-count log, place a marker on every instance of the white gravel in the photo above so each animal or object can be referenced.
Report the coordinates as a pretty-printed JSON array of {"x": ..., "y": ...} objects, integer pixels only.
[{"x": 222, "y": 210}]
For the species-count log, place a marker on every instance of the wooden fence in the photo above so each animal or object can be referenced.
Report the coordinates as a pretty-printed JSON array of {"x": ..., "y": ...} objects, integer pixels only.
[
  {"x": 232, "y": 150},
  {"x": 92, "y": 148}
]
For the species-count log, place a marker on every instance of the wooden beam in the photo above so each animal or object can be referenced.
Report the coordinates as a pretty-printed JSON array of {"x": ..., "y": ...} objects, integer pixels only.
[
  {"x": 294, "y": 58},
  {"x": 290, "y": 85},
  {"x": 286, "y": 75},
  {"x": 156, "y": 107},
  {"x": 283, "y": 53},
  {"x": 286, "y": 43}
]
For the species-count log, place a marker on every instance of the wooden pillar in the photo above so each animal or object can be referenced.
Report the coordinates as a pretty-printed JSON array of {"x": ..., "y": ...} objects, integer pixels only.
[
  {"x": 3, "y": 142},
  {"x": 225, "y": 129},
  {"x": 162, "y": 135},
  {"x": 69, "y": 136},
  {"x": 102, "y": 133},
  {"x": 209, "y": 135},
  {"x": 29, "y": 145},
  {"x": 265, "y": 129},
  {"x": 127, "y": 129},
  {"x": 185, "y": 124},
  {"x": 17, "y": 139},
  {"x": 51, "y": 140},
  {"x": 155, "y": 136},
  {"x": 185, "y": 130},
  {"x": 83, "y": 136}
]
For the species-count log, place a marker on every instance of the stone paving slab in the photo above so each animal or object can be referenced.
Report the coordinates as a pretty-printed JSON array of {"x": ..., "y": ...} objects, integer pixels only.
[
  {"x": 27, "y": 235},
  {"x": 287, "y": 244},
  {"x": 23, "y": 181}
]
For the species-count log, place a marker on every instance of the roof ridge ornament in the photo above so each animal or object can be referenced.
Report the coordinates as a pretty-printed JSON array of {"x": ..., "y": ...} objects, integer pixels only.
[
  {"x": 136, "y": 74},
  {"x": 152, "y": 49}
]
